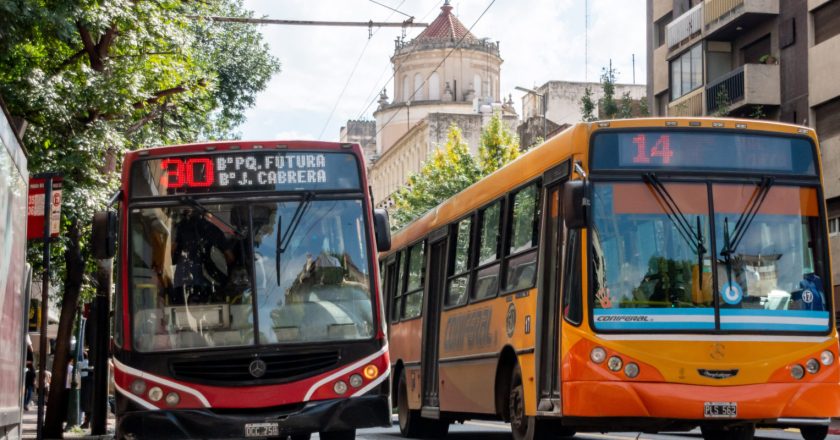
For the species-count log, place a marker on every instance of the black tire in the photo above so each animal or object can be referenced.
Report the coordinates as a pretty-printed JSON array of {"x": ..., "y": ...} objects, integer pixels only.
[
  {"x": 338, "y": 435},
  {"x": 301, "y": 436},
  {"x": 814, "y": 432},
  {"x": 411, "y": 424},
  {"x": 746, "y": 432},
  {"x": 435, "y": 428},
  {"x": 522, "y": 427},
  {"x": 564, "y": 432}
]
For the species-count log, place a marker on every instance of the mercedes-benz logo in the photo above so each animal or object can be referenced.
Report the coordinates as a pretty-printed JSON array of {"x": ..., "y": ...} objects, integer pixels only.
[{"x": 257, "y": 368}]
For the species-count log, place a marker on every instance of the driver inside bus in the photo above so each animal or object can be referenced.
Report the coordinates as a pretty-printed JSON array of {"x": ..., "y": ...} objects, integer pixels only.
[{"x": 197, "y": 272}]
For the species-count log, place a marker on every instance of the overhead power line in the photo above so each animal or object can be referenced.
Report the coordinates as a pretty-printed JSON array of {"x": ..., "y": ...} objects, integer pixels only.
[{"x": 406, "y": 23}]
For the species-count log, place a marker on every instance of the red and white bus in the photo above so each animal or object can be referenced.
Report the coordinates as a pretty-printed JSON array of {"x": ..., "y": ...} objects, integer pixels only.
[
  {"x": 248, "y": 299},
  {"x": 13, "y": 302}
]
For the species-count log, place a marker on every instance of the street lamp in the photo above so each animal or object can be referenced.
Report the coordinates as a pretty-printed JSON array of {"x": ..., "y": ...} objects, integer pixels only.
[{"x": 543, "y": 105}]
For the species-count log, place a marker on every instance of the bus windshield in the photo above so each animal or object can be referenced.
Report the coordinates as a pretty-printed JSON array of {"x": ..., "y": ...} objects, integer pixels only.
[
  {"x": 212, "y": 275},
  {"x": 653, "y": 267}
]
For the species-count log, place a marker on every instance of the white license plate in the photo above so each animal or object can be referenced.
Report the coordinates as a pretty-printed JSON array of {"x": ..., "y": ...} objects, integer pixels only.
[
  {"x": 262, "y": 430},
  {"x": 723, "y": 410}
]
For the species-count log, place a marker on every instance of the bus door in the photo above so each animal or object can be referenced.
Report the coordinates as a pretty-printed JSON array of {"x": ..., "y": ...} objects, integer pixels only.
[
  {"x": 548, "y": 335},
  {"x": 431, "y": 332}
]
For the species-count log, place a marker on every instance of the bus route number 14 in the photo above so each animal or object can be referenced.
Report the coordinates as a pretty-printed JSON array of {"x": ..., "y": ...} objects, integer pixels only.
[{"x": 661, "y": 149}]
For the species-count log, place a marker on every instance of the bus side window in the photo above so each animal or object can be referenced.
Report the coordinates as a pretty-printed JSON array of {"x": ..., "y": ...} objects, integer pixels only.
[
  {"x": 572, "y": 294},
  {"x": 487, "y": 272},
  {"x": 413, "y": 296},
  {"x": 459, "y": 269},
  {"x": 396, "y": 287},
  {"x": 521, "y": 263}
]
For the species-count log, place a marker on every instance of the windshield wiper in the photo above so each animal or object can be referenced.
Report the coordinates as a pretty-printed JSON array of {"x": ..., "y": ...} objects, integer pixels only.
[
  {"x": 216, "y": 220},
  {"x": 283, "y": 239},
  {"x": 732, "y": 240},
  {"x": 694, "y": 238}
]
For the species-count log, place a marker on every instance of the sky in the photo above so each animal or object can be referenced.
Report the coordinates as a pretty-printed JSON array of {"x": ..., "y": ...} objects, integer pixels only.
[{"x": 329, "y": 75}]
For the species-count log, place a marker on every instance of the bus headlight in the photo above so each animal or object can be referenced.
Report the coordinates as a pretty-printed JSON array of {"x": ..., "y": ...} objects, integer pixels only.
[
  {"x": 356, "y": 381},
  {"x": 631, "y": 370},
  {"x": 370, "y": 372},
  {"x": 173, "y": 399},
  {"x": 797, "y": 372},
  {"x": 812, "y": 366},
  {"x": 598, "y": 355},
  {"x": 138, "y": 387},
  {"x": 155, "y": 394},
  {"x": 827, "y": 358},
  {"x": 614, "y": 363},
  {"x": 340, "y": 387}
]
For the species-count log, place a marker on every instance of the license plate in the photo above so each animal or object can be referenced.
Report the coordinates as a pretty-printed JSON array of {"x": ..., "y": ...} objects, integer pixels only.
[
  {"x": 262, "y": 430},
  {"x": 725, "y": 410}
]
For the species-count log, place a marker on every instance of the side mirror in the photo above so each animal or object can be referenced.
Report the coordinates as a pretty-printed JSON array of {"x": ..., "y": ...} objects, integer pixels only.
[
  {"x": 104, "y": 234},
  {"x": 382, "y": 228},
  {"x": 576, "y": 203}
]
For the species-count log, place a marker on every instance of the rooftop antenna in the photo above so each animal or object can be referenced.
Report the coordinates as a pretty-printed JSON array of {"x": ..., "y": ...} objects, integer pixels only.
[{"x": 634, "y": 68}]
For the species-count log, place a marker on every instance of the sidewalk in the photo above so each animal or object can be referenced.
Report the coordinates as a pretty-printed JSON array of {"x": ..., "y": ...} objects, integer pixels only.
[{"x": 30, "y": 427}]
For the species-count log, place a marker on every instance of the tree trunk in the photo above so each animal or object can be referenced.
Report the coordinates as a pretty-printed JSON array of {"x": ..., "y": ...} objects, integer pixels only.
[{"x": 56, "y": 409}]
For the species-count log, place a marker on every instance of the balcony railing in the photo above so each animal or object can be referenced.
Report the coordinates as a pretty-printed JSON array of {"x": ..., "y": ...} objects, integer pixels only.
[
  {"x": 684, "y": 27},
  {"x": 717, "y": 9},
  {"x": 725, "y": 90},
  {"x": 689, "y": 105}
]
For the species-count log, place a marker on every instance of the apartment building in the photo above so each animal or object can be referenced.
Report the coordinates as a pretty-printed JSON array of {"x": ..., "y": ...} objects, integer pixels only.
[{"x": 773, "y": 59}]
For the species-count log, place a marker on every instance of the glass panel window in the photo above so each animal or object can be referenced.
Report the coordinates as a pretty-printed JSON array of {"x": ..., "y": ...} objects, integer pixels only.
[
  {"x": 833, "y": 226},
  {"x": 489, "y": 249},
  {"x": 415, "y": 267},
  {"x": 650, "y": 257},
  {"x": 190, "y": 277},
  {"x": 458, "y": 288},
  {"x": 696, "y": 66},
  {"x": 768, "y": 267},
  {"x": 413, "y": 304},
  {"x": 687, "y": 72},
  {"x": 676, "y": 80},
  {"x": 523, "y": 230},
  {"x": 521, "y": 271},
  {"x": 462, "y": 246},
  {"x": 487, "y": 282}
]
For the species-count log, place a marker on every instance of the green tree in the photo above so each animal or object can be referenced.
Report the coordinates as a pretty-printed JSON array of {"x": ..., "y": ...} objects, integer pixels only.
[
  {"x": 498, "y": 146},
  {"x": 722, "y": 103},
  {"x": 587, "y": 106},
  {"x": 644, "y": 111},
  {"x": 609, "y": 107},
  {"x": 448, "y": 170},
  {"x": 92, "y": 80},
  {"x": 625, "y": 106}
]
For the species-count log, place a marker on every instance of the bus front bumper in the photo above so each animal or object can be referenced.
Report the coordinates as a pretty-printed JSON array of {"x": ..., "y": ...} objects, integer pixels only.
[
  {"x": 321, "y": 416},
  {"x": 764, "y": 403}
]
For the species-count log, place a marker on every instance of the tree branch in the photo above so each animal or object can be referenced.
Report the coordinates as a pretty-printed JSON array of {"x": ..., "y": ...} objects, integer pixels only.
[{"x": 146, "y": 119}]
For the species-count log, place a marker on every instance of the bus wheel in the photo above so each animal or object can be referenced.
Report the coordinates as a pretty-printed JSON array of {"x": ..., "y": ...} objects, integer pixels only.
[
  {"x": 733, "y": 433},
  {"x": 521, "y": 426},
  {"x": 411, "y": 424},
  {"x": 814, "y": 432},
  {"x": 306, "y": 436},
  {"x": 338, "y": 435}
]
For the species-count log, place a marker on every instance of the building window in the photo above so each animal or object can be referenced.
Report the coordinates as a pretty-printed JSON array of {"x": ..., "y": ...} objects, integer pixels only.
[
  {"x": 826, "y": 21},
  {"x": 406, "y": 90},
  {"x": 418, "y": 87},
  {"x": 434, "y": 87},
  {"x": 687, "y": 72},
  {"x": 659, "y": 29},
  {"x": 827, "y": 117},
  {"x": 477, "y": 85},
  {"x": 833, "y": 226},
  {"x": 755, "y": 51}
]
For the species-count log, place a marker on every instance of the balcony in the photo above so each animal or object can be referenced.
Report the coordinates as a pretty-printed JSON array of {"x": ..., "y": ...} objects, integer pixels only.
[
  {"x": 750, "y": 84},
  {"x": 681, "y": 30},
  {"x": 722, "y": 18},
  {"x": 690, "y": 104}
]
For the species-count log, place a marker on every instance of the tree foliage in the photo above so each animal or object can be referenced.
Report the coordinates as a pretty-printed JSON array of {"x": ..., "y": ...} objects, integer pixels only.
[
  {"x": 95, "y": 79},
  {"x": 450, "y": 169},
  {"x": 587, "y": 106},
  {"x": 498, "y": 146},
  {"x": 609, "y": 107}
]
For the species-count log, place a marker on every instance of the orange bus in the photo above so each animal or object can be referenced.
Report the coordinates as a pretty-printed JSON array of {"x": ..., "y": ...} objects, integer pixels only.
[{"x": 647, "y": 275}]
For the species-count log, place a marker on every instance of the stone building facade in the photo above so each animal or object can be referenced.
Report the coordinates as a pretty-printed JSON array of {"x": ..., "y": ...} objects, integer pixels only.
[
  {"x": 443, "y": 75},
  {"x": 360, "y": 132}
]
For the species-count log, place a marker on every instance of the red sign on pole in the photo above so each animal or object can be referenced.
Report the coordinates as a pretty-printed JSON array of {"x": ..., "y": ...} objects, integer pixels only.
[{"x": 37, "y": 189}]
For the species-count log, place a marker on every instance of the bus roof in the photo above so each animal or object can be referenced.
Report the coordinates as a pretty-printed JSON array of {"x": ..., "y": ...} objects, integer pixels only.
[{"x": 572, "y": 142}]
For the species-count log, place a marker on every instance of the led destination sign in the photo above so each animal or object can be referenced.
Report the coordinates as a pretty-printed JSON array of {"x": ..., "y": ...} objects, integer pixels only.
[
  {"x": 245, "y": 171},
  {"x": 703, "y": 150}
]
